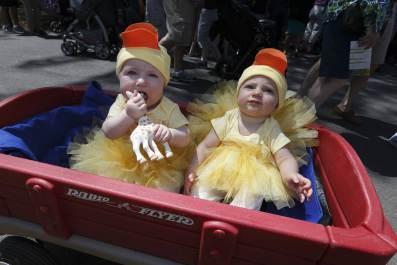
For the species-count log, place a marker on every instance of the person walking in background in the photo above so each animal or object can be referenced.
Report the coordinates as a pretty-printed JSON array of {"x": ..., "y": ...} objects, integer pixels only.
[
  {"x": 386, "y": 21},
  {"x": 180, "y": 24},
  {"x": 154, "y": 13},
  {"x": 208, "y": 15},
  {"x": 32, "y": 13},
  {"x": 334, "y": 67},
  {"x": 9, "y": 17}
]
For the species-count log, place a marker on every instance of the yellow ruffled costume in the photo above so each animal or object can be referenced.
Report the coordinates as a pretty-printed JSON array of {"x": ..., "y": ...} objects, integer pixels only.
[
  {"x": 116, "y": 159},
  {"x": 247, "y": 166}
]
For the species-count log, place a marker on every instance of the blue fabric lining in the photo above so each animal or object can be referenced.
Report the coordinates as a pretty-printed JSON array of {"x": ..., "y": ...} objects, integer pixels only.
[
  {"x": 45, "y": 136},
  {"x": 308, "y": 210}
]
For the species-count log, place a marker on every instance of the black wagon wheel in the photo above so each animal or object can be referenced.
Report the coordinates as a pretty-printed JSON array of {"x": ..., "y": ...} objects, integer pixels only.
[{"x": 16, "y": 250}]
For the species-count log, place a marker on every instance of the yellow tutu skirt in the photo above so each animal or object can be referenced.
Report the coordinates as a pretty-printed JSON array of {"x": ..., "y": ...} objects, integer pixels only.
[
  {"x": 237, "y": 167},
  {"x": 115, "y": 159}
]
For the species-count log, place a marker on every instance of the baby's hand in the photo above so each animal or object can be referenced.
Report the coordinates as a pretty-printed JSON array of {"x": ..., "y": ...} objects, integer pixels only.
[
  {"x": 162, "y": 133},
  {"x": 189, "y": 181},
  {"x": 136, "y": 105},
  {"x": 301, "y": 186}
]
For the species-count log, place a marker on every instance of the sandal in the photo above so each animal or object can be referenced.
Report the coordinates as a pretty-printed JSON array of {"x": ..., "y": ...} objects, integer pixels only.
[
  {"x": 348, "y": 116},
  {"x": 392, "y": 140}
]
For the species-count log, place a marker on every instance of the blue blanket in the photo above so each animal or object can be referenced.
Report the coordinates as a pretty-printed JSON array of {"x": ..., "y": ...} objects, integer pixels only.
[{"x": 46, "y": 136}]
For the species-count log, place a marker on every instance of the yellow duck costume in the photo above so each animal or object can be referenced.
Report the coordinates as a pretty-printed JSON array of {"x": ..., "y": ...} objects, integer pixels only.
[
  {"x": 243, "y": 167},
  {"x": 115, "y": 158}
]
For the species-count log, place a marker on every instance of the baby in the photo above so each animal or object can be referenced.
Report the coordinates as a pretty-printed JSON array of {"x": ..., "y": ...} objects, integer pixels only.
[{"x": 143, "y": 69}]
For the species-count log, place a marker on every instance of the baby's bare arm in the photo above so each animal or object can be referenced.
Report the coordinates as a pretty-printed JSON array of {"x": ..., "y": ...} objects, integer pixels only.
[
  {"x": 202, "y": 151},
  {"x": 180, "y": 137},
  {"x": 115, "y": 127},
  {"x": 288, "y": 167}
]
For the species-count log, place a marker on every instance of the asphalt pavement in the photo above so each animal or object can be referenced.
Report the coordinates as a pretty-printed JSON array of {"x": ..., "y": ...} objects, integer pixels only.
[{"x": 28, "y": 62}]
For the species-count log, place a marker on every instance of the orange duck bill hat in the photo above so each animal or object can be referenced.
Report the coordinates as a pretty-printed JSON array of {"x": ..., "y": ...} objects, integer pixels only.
[
  {"x": 270, "y": 63},
  {"x": 140, "y": 41}
]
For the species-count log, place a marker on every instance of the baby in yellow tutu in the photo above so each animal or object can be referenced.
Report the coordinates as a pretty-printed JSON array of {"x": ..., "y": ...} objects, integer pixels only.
[
  {"x": 244, "y": 159},
  {"x": 143, "y": 70}
]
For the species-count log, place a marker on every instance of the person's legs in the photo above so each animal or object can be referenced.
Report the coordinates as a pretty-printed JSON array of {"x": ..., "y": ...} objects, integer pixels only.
[
  {"x": 344, "y": 108},
  {"x": 178, "y": 58},
  {"x": 13, "y": 15},
  {"x": 208, "y": 49},
  {"x": 155, "y": 14},
  {"x": 194, "y": 49},
  {"x": 334, "y": 66},
  {"x": 16, "y": 28},
  {"x": 180, "y": 19},
  {"x": 6, "y": 20},
  {"x": 310, "y": 78},
  {"x": 5, "y": 17},
  {"x": 358, "y": 83},
  {"x": 32, "y": 13},
  {"x": 324, "y": 87}
]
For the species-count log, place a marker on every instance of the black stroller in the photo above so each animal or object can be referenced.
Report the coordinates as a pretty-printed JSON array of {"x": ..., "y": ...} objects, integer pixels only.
[
  {"x": 97, "y": 27},
  {"x": 58, "y": 15},
  {"x": 244, "y": 33}
]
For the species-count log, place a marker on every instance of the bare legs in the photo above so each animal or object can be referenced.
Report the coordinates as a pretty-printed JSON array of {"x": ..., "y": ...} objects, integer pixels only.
[
  {"x": 319, "y": 90},
  {"x": 310, "y": 78},
  {"x": 357, "y": 83},
  {"x": 324, "y": 87}
]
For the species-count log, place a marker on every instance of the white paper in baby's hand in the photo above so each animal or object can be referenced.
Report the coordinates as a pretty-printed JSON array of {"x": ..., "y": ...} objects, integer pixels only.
[{"x": 360, "y": 59}]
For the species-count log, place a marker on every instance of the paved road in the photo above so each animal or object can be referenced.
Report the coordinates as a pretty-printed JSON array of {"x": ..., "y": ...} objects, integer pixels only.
[{"x": 28, "y": 62}]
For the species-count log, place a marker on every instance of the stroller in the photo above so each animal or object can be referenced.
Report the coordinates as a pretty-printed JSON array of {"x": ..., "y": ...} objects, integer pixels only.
[
  {"x": 59, "y": 14},
  {"x": 97, "y": 27},
  {"x": 242, "y": 33}
]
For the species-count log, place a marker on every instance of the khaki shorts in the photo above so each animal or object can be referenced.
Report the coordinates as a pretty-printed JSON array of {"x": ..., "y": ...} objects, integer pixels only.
[
  {"x": 180, "y": 23},
  {"x": 380, "y": 49}
]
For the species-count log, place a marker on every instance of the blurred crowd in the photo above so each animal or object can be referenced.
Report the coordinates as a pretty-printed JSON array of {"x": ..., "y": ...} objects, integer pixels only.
[{"x": 226, "y": 34}]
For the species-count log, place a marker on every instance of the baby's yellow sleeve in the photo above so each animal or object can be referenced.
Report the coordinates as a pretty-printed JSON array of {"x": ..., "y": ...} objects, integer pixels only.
[
  {"x": 117, "y": 106},
  {"x": 177, "y": 119},
  {"x": 277, "y": 138},
  {"x": 219, "y": 126}
]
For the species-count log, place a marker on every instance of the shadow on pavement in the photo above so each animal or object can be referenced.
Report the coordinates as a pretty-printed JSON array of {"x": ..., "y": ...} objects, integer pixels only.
[
  {"x": 376, "y": 154},
  {"x": 51, "y": 61}
]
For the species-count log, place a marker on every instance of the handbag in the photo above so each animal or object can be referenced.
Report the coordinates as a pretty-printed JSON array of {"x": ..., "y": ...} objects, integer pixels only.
[{"x": 351, "y": 20}]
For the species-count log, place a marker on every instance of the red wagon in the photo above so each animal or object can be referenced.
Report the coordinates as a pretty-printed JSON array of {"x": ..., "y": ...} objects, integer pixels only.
[{"x": 132, "y": 224}]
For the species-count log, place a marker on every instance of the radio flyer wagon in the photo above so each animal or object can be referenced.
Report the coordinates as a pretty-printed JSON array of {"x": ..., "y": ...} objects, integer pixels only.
[{"x": 131, "y": 224}]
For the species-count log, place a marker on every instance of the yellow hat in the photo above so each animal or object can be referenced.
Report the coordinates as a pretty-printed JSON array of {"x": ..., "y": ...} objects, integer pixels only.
[
  {"x": 140, "y": 41},
  {"x": 270, "y": 63}
]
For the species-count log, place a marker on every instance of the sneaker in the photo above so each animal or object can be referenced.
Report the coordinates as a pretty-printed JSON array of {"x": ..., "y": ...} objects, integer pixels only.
[
  {"x": 18, "y": 29},
  {"x": 7, "y": 28},
  {"x": 348, "y": 116}
]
